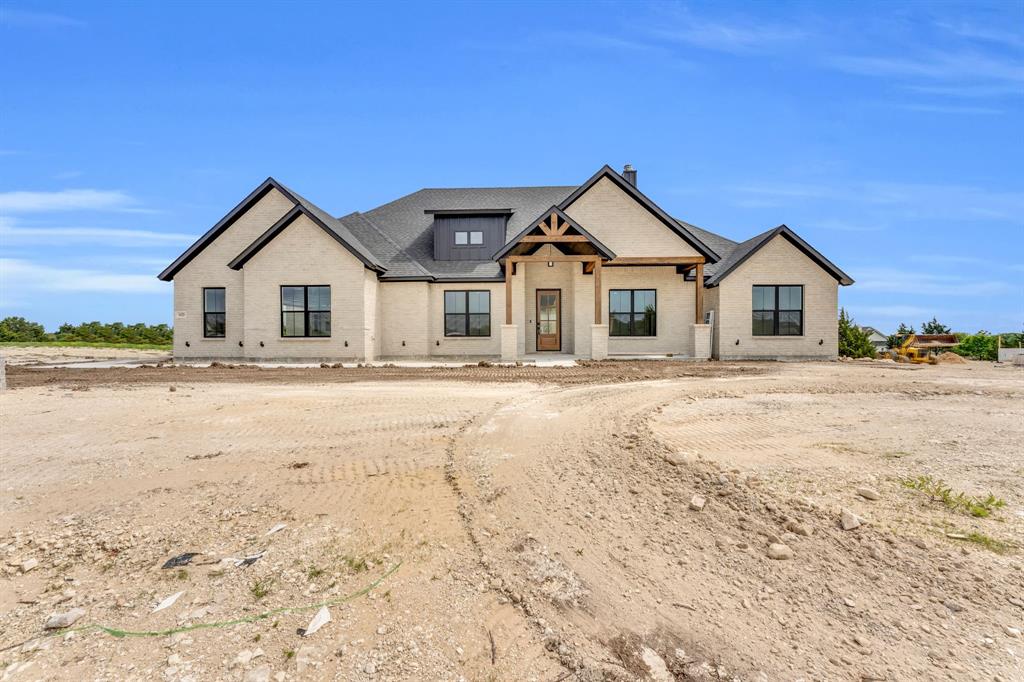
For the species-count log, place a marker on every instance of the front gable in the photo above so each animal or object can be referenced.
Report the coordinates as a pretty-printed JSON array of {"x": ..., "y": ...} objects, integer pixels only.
[
  {"x": 629, "y": 223},
  {"x": 254, "y": 221}
]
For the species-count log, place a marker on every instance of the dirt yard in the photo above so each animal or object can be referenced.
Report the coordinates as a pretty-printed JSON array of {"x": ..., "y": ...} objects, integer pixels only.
[
  {"x": 60, "y": 355},
  {"x": 513, "y": 523}
]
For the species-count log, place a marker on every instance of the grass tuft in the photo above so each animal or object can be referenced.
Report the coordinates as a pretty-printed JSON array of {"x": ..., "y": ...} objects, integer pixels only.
[
  {"x": 988, "y": 542},
  {"x": 978, "y": 507},
  {"x": 261, "y": 588}
]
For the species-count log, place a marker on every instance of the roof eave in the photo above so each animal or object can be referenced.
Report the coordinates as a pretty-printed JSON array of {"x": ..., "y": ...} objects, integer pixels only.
[
  {"x": 645, "y": 201},
  {"x": 291, "y": 216},
  {"x": 795, "y": 239},
  {"x": 223, "y": 224}
]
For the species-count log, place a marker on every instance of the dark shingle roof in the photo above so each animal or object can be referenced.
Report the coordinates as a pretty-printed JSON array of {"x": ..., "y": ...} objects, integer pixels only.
[
  {"x": 408, "y": 228},
  {"x": 745, "y": 250}
]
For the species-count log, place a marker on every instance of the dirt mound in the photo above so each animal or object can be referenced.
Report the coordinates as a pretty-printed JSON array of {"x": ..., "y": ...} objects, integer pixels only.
[{"x": 949, "y": 358}]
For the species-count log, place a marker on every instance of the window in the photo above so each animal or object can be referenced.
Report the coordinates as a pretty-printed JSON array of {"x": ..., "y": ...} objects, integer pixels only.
[
  {"x": 633, "y": 312},
  {"x": 778, "y": 310},
  {"x": 470, "y": 238},
  {"x": 467, "y": 313},
  {"x": 306, "y": 311},
  {"x": 213, "y": 312}
]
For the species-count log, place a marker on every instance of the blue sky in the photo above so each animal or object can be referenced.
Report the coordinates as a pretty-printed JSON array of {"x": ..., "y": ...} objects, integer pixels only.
[{"x": 889, "y": 135}]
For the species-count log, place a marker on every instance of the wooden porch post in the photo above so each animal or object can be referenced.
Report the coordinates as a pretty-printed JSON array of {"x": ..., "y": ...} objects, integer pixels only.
[
  {"x": 700, "y": 294},
  {"x": 509, "y": 265},
  {"x": 597, "y": 291}
]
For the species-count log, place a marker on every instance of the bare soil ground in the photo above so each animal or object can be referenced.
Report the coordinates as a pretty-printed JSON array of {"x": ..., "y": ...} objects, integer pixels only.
[
  {"x": 36, "y": 355},
  {"x": 539, "y": 521}
]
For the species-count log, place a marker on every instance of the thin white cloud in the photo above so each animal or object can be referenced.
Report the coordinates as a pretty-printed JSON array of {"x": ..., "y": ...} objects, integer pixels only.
[
  {"x": 588, "y": 39},
  {"x": 896, "y": 200},
  {"x": 985, "y": 34},
  {"x": 11, "y": 234},
  {"x": 942, "y": 259},
  {"x": 898, "y": 281},
  {"x": 969, "y": 90},
  {"x": 65, "y": 200},
  {"x": 738, "y": 37},
  {"x": 835, "y": 225},
  {"x": 17, "y": 277},
  {"x": 893, "y": 311},
  {"x": 25, "y": 19},
  {"x": 968, "y": 66},
  {"x": 952, "y": 109}
]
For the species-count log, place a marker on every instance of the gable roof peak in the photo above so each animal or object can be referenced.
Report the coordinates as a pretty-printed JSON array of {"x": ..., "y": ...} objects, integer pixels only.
[{"x": 630, "y": 189}]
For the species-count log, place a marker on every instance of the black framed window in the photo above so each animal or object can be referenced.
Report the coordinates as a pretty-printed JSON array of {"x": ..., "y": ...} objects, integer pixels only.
[
  {"x": 476, "y": 237},
  {"x": 467, "y": 313},
  {"x": 214, "y": 313},
  {"x": 778, "y": 310},
  {"x": 306, "y": 311},
  {"x": 633, "y": 312},
  {"x": 461, "y": 238}
]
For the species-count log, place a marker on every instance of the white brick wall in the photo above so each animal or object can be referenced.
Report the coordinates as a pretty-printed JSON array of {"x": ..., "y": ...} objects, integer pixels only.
[
  {"x": 440, "y": 344},
  {"x": 778, "y": 262},
  {"x": 676, "y": 306},
  {"x": 623, "y": 225},
  {"x": 405, "y": 318},
  {"x": 304, "y": 255},
  {"x": 209, "y": 269}
]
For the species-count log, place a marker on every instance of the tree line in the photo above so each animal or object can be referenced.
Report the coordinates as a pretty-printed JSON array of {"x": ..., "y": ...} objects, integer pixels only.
[
  {"x": 20, "y": 330},
  {"x": 855, "y": 343}
]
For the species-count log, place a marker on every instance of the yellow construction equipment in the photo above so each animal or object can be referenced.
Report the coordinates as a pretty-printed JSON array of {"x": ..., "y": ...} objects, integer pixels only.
[{"x": 922, "y": 348}]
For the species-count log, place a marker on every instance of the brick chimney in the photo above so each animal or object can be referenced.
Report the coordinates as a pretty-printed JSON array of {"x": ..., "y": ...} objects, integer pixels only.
[{"x": 629, "y": 173}]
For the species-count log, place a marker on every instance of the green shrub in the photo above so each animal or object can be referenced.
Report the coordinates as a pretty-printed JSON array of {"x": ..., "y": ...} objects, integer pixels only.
[
  {"x": 853, "y": 341},
  {"x": 980, "y": 346}
]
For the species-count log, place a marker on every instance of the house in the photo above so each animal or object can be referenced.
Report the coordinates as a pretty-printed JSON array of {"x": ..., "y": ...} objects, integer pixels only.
[
  {"x": 879, "y": 340},
  {"x": 593, "y": 270}
]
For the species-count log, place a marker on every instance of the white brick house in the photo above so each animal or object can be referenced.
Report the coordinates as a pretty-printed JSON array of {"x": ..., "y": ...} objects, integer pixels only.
[{"x": 594, "y": 270}]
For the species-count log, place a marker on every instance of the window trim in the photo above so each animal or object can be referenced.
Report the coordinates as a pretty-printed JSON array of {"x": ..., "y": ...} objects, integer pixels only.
[
  {"x": 224, "y": 313},
  {"x": 632, "y": 314},
  {"x": 445, "y": 313},
  {"x": 305, "y": 310},
  {"x": 469, "y": 239},
  {"x": 776, "y": 310}
]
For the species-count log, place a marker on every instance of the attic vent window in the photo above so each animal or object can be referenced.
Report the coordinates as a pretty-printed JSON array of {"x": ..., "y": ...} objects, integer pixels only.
[{"x": 469, "y": 238}]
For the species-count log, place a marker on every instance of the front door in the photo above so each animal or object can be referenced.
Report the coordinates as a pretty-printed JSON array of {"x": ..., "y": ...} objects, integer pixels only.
[{"x": 549, "y": 310}]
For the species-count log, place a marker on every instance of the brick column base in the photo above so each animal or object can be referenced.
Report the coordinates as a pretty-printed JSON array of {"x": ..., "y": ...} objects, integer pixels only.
[
  {"x": 702, "y": 341},
  {"x": 598, "y": 341},
  {"x": 509, "y": 341}
]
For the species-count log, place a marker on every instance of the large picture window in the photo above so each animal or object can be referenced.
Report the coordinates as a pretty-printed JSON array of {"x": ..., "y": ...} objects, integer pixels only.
[
  {"x": 467, "y": 313},
  {"x": 778, "y": 310},
  {"x": 305, "y": 311},
  {"x": 213, "y": 313},
  {"x": 633, "y": 312}
]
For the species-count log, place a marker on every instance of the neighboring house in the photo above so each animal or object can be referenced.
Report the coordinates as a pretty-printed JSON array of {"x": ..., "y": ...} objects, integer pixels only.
[
  {"x": 879, "y": 340},
  {"x": 594, "y": 270}
]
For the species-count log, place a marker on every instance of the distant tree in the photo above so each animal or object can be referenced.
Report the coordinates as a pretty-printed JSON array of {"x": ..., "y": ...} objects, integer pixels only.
[
  {"x": 853, "y": 341},
  {"x": 901, "y": 334},
  {"x": 20, "y": 329},
  {"x": 934, "y": 327},
  {"x": 980, "y": 346}
]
